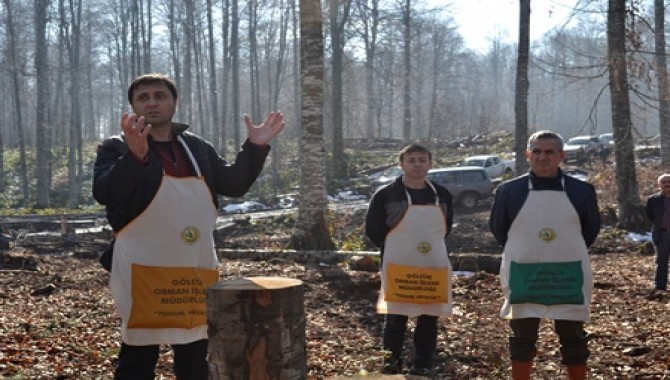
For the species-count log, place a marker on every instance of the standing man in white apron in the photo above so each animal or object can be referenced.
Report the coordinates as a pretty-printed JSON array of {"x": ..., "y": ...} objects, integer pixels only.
[
  {"x": 409, "y": 220},
  {"x": 546, "y": 221},
  {"x": 159, "y": 184}
]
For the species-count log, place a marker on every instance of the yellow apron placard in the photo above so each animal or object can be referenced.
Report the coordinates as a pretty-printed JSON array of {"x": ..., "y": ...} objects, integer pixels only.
[
  {"x": 169, "y": 297},
  {"x": 416, "y": 284}
]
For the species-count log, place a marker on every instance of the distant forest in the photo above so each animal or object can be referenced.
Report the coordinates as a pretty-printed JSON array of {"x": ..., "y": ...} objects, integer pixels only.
[{"x": 393, "y": 69}]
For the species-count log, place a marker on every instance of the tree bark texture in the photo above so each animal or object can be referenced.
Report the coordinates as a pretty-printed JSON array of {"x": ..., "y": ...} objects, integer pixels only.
[
  {"x": 521, "y": 92},
  {"x": 256, "y": 329},
  {"x": 311, "y": 229},
  {"x": 631, "y": 216},
  {"x": 662, "y": 73}
]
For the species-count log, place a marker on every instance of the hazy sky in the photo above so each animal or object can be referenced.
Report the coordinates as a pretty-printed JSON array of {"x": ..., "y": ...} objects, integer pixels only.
[{"x": 482, "y": 19}]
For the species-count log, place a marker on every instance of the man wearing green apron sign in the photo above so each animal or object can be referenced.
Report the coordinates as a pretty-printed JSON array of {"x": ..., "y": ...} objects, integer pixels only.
[
  {"x": 546, "y": 221},
  {"x": 159, "y": 184}
]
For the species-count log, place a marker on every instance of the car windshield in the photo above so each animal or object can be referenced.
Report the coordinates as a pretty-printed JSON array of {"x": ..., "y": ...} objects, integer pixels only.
[
  {"x": 579, "y": 141},
  {"x": 473, "y": 162}
]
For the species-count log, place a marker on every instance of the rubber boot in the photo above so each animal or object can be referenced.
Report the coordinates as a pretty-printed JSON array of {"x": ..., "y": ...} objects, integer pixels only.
[
  {"x": 521, "y": 370},
  {"x": 577, "y": 372}
]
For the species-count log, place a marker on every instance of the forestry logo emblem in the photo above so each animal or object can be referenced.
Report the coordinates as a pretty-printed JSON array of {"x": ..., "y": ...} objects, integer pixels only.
[
  {"x": 424, "y": 247},
  {"x": 190, "y": 235},
  {"x": 547, "y": 234}
]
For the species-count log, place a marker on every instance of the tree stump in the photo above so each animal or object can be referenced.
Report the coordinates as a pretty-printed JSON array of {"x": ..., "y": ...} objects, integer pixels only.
[{"x": 256, "y": 329}]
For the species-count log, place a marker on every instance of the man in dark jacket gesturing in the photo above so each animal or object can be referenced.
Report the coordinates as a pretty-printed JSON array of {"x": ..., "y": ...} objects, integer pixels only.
[
  {"x": 546, "y": 221},
  {"x": 159, "y": 184}
]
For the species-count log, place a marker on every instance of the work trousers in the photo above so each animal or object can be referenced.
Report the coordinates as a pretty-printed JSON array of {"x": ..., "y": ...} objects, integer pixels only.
[
  {"x": 425, "y": 338},
  {"x": 571, "y": 335},
  {"x": 662, "y": 253},
  {"x": 139, "y": 362}
]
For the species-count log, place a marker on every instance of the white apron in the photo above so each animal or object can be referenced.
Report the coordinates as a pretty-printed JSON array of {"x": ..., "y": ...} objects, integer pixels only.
[
  {"x": 546, "y": 271},
  {"x": 173, "y": 234},
  {"x": 416, "y": 272}
]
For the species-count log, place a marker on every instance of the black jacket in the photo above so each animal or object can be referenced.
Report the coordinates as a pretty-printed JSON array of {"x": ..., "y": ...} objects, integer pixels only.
[
  {"x": 511, "y": 195},
  {"x": 388, "y": 206},
  {"x": 654, "y": 210},
  {"x": 126, "y": 187}
]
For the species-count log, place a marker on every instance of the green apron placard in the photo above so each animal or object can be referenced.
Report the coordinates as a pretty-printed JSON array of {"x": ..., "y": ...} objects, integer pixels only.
[{"x": 546, "y": 283}]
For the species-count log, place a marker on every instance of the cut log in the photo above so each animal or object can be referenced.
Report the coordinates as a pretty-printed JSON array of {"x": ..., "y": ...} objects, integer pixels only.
[{"x": 256, "y": 329}]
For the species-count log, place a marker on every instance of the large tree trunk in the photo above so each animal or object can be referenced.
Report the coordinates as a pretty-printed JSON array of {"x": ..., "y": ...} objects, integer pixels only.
[
  {"x": 13, "y": 62},
  {"x": 225, "y": 71},
  {"x": 369, "y": 13},
  {"x": 213, "y": 86},
  {"x": 254, "y": 69},
  {"x": 407, "y": 70},
  {"x": 662, "y": 73},
  {"x": 75, "y": 156},
  {"x": 256, "y": 329},
  {"x": 338, "y": 11},
  {"x": 311, "y": 230},
  {"x": 521, "y": 94},
  {"x": 235, "y": 56},
  {"x": 42, "y": 130},
  {"x": 631, "y": 216}
]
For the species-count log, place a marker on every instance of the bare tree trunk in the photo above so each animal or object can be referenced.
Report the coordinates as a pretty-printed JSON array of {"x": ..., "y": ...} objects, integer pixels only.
[
  {"x": 631, "y": 216},
  {"x": 147, "y": 36},
  {"x": 256, "y": 329},
  {"x": 254, "y": 69},
  {"x": 225, "y": 77},
  {"x": 75, "y": 159},
  {"x": 339, "y": 14},
  {"x": 311, "y": 230},
  {"x": 521, "y": 95},
  {"x": 407, "y": 55},
  {"x": 175, "y": 39},
  {"x": 186, "y": 103},
  {"x": 42, "y": 130},
  {"x": 370, "y": 20},
  {"x": 15, "y": 69},
  {"x": 235, "y": 55},
  {"x": 662, "y": 73},
  {"x": 213, "y": 86},
  {"x": 275, "y": 84}
]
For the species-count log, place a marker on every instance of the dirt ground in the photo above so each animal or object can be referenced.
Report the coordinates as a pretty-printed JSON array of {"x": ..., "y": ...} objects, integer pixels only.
[{"x": 57, "y": 318}]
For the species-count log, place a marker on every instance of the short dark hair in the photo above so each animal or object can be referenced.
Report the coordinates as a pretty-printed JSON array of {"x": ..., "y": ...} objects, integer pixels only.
[
  {"x": 414, "y": 148},
  {"x": 152, "y": 78},
  {"x": 545, "y": 134}
]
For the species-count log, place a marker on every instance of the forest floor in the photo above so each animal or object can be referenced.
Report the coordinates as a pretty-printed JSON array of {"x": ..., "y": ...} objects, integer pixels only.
[{"x": 57, "y": 318}]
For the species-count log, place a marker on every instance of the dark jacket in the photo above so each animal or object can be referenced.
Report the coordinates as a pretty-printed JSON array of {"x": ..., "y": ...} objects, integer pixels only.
[
  {"x": 388, "y": 206},
  {"x": 126, "y": 187},
  {"x": 511, "y": 195},
  {"x": 654, "y": 210}
]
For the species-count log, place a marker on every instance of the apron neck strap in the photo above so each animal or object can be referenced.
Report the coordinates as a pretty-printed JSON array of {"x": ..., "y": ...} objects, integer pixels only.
[
  {"x": 530, "y": 183},
  {"x": 409, "y": 197}
]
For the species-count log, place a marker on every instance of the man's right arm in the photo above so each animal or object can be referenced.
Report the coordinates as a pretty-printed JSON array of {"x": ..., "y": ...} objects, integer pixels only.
[
  {"x": 649, "y": 208},
  {"x": 115, "y": 172}
]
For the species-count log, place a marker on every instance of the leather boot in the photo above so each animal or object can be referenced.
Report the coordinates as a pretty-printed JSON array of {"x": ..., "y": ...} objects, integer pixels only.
[
  {"x": 521, "y": 370},
  {"x": 577, "y": 372}
]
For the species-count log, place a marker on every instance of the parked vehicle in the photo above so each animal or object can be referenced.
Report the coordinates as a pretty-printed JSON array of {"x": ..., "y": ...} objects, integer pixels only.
[
  {"x": 467, "y": 184},
  {"x": 579, "y": 147},
  {"x": 493, "y": 164},
  {"x": 244, "y": 207},
  {"x": 387, "y": 176},
  {"x": 606, "y": 138}
]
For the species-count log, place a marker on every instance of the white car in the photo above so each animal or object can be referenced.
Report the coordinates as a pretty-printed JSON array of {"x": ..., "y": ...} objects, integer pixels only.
[{"x": 244, "y": 207}]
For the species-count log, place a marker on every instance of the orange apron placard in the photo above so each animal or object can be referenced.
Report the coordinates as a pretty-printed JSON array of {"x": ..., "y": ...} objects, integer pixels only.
[
  {"x": 169, "y": 297},
  {"x": 416, "y": 284}
]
